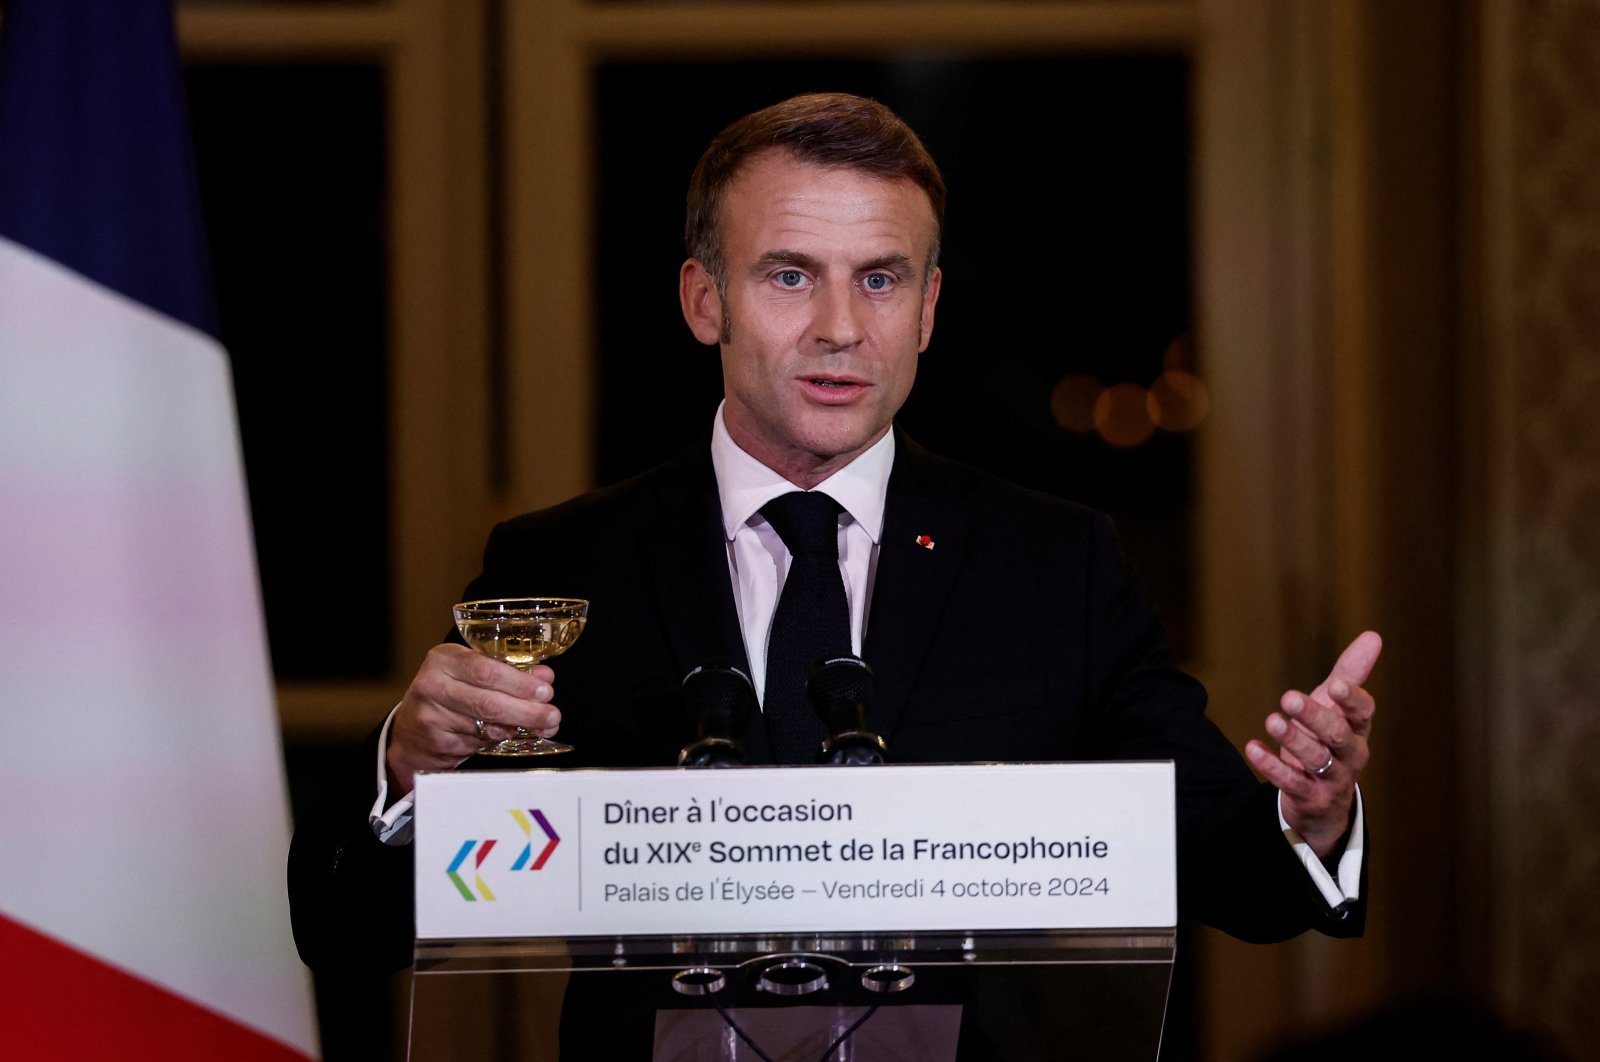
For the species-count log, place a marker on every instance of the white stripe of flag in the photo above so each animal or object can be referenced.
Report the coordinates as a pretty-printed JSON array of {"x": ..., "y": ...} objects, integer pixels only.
[{"x": 143, "y": 819}]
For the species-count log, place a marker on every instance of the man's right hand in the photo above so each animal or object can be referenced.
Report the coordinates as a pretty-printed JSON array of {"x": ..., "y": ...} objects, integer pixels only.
[{"x": 436, "y": 725}]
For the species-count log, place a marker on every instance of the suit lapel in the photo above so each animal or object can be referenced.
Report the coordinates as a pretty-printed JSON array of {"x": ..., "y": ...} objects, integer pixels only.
[
  {"x": 686, "y": 558},
  {"x": 924, "y": 539}
]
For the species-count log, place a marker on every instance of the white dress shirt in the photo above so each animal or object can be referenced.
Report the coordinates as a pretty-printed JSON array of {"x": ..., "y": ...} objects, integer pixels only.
[
  {"x": 759, "y": 562},
  {"x": 757, "y": 557}
]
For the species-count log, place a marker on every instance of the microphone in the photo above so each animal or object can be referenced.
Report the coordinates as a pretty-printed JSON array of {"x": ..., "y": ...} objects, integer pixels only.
[
  {"x": 840, "y": 688},
  {"x": 720, "y": 701}
]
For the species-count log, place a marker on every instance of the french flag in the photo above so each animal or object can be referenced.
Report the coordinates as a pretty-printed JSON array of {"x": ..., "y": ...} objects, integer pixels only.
[{"x": 143, "y": 819}]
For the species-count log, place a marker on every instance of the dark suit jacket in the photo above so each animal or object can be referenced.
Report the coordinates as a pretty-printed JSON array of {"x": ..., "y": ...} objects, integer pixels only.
[{"x": 1021, "y": 635}]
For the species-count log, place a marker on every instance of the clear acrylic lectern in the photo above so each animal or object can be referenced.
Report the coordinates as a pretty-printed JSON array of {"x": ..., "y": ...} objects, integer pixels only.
[{"x": 677, "y": 916}]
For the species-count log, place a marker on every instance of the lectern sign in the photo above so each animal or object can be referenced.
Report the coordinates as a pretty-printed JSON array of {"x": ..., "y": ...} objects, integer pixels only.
[{"x": 552, "y": 853}]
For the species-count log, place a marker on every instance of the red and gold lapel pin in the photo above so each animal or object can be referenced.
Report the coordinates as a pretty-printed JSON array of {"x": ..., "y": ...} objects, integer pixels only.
[{"x": 924, "y": 541}]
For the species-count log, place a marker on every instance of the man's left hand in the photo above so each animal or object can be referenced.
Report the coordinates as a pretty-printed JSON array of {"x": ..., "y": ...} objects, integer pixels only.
[{"x": 1322, "y": 747}]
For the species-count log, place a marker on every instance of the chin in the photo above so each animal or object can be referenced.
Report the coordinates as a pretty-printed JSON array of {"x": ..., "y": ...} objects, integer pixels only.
[{"x": 829, "y": 444}]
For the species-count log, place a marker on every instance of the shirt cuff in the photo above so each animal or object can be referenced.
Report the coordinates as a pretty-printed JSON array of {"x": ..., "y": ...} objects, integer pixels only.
[
  {"x": 393, "y": 824},
  {"x": 1348, "y": 885}
]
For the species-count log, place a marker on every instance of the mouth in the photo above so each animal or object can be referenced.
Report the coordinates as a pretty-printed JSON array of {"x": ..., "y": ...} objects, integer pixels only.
[
  {"x": 831, "y": 381},
  {"x": 832, "y": 388}
]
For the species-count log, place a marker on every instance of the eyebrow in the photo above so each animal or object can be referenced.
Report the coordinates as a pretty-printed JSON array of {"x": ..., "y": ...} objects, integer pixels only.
[
  {"x": 895, "y": 262},
  {"x": 785, "y": 257}
]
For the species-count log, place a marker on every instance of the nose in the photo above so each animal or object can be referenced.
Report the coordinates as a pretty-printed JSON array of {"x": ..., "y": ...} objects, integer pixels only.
[{"x": 836, "y": 323}]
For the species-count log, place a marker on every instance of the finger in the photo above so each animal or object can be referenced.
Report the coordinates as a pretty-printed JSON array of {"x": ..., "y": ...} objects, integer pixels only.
[
  {"x": 502, "y": 731},
  {"x": 463, "y": 703},
  {"x": 1356, "y": 704},
  {"x": 1317, "y": 736},
  {"x": 1311, "y": 754},
  {"x": 474, "y": 669},
  {"x": 442, "y": 742},
  {"x": 1323, "y": 751},
  {"x": 1324, "y": 725},
  {"x": 470, "y": 703},
  {"x": 1355, "y": 663},
  {"x": 447, "y": 730},
  {"x": 1292, "y": 781},
  {"x": 496, "y": 732},
  {"x": 1293, "y": 761},
  {"x": 455, "y": 737},
  {"x": 474, "y": 687}
]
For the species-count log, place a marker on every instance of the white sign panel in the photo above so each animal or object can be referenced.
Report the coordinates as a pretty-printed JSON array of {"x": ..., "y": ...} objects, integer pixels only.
[{"x": 552, "y": 853}]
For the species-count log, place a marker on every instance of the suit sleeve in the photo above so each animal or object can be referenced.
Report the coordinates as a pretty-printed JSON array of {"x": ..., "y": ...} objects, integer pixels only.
[
  {"x": 1236, "y": 871},
  {"x": 350, "y": 894}
]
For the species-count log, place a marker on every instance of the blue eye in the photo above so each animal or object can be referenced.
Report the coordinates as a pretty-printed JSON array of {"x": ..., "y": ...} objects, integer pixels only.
[
  {"x": 791, "y": 278},
  {"x": 878, "y": 281}
]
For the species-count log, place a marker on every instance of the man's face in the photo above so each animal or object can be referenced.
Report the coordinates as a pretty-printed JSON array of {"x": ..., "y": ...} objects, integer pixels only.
[{"x": 828, "y": 306}]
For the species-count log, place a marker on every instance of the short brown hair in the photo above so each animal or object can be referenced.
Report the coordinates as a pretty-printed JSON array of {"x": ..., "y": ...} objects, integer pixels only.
[{"x": 826, "y": 128}]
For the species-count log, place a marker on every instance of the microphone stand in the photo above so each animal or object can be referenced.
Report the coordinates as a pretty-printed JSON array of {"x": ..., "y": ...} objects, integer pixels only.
[
  {"x": 720, "y": 700},
  {"x": 840, "y": 688}
]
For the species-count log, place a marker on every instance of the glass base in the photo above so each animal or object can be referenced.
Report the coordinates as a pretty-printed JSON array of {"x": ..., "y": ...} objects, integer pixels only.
[{"x": 525, "y": 746}]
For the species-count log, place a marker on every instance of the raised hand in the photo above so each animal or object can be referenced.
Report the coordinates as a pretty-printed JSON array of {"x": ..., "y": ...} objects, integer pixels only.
[
  {"x": 1322, "y": 747},
  {"x": 460, "y": 702}
]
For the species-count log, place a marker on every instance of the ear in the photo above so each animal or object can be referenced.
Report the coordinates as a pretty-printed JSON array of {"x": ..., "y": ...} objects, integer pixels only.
[
  {"x": 930, "y": 296},
  {"x": 701, "y": 302}
]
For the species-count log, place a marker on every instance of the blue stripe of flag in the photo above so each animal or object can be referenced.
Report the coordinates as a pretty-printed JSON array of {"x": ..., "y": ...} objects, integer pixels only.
[{"x": 96, "y": 165}]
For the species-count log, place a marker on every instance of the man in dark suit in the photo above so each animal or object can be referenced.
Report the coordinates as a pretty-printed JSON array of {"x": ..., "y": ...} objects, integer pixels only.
[{"x": 1003, "y": 625}]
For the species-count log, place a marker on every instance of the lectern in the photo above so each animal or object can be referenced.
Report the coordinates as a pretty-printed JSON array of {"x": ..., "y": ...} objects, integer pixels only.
[{"x": 927, "y": 912}]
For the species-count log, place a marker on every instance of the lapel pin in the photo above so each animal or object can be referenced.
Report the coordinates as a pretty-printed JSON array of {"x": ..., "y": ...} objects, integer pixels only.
[{"x": 924, "y": 541}]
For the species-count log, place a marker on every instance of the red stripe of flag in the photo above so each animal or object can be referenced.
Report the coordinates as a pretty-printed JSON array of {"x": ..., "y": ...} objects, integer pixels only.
[{"x": 49, "y": 990}]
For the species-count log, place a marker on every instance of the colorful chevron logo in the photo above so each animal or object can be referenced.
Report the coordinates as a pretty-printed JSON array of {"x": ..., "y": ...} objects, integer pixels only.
[
  {"x": 478, "y": 851},
  {"x": 466, "y": 850},
  {"x": 551, "y": 839}
]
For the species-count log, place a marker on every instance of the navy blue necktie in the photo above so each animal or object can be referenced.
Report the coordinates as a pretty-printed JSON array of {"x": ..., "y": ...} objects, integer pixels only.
[{"x": 811, "y": 622}]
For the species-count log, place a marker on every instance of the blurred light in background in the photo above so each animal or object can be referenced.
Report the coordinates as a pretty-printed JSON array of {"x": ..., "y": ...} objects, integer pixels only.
[
  {"x": 1178, "y": 401},
  {"x": 1072, "y": 401},
  {"x": 1126, "y": 415},
  {"x": 1122, "y": 416}
]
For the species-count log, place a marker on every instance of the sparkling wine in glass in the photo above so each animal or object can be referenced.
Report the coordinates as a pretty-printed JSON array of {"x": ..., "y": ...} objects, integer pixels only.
[{"x": 522, "y": 631}]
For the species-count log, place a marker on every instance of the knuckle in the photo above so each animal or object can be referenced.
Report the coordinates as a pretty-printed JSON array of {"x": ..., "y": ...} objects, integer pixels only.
[
  {"x": 486, "y": 706},
  {"x": 441, "y": 659},
  {"x": 428, "y": 685},
  {"x": 481, "y": 671}
]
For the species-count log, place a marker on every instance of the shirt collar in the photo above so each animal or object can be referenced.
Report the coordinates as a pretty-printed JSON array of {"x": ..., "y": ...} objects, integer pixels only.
[{"x": 745, "y": 484}]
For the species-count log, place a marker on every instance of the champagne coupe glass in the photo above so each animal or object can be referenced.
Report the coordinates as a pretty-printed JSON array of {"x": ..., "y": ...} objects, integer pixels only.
[{"x": 522, "y": 631}]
